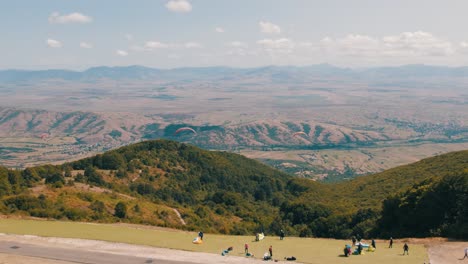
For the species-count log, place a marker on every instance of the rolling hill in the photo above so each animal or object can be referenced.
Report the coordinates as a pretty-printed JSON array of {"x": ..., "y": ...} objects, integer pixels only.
[{"x": 173, "y": 184}]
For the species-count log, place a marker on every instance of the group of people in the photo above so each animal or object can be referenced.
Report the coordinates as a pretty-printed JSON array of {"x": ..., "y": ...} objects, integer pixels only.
[{"x": 354, "y": 239}]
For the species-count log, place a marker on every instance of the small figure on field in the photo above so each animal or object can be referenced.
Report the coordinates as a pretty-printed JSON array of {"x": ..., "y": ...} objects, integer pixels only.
[
  {"x": 405, "y": 249},
  {"x": 271, "y": 251},
  {"x": 200, "y": 234},
  {"x": 246, "y": 248},
  {"x": 391, "y": 243},
  {"x": 466, "y": 253},
  {"x": 281, "y": 234},
  {"x": 354, "y": 240},
  {"x": 373, "y": 243}
]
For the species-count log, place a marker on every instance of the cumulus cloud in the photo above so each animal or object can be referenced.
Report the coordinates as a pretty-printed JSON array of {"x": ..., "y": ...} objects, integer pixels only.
[
  {"x": 121, "y": 53},
  {"x": 238, "y": 48},
  {"x": 53, "y": 43},
  {"x": 192, "y": 45},
  {"x": 56, "y": 18},
  {"x": 153, "y": 45},
  {"x": 417, "y": 43},
  {"x": 86, "y": 45},
  {"x": 237, "y": 44},
  {"x": 219, "y": 29},
  {"x": 179, "y": 6},
  {"x": 406, "y": 44},
  {"x": 282, "y": 45},
  {"x": 269, "y": 28}
]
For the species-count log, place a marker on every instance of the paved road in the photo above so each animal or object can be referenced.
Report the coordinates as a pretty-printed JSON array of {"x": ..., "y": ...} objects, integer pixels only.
[{"x": 75, "y": 255}]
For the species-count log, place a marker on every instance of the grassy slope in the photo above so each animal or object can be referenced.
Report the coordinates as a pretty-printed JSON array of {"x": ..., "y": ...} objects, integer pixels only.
[
  {"x": 306, "y": 250},
  {"x": 371, "y": 190}
]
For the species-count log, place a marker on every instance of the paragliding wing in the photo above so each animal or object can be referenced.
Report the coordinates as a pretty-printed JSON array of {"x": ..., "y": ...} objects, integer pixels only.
[
  {"x": 299, "y": 133},
  {"x": 184, "y": 129},
  {"x": 44, "y": 136}
]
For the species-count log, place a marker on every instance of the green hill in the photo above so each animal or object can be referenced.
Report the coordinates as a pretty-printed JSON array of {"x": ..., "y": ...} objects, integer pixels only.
[{"x": 177, "y": 185}]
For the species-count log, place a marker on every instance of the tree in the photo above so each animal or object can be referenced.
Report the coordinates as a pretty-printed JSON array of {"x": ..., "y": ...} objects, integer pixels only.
[
  {"x": 120, "y": 210},
  {"x": 112, "y": 161},
  {"x": 93, "y": 176},
  {"x": 5, "y": 186}
]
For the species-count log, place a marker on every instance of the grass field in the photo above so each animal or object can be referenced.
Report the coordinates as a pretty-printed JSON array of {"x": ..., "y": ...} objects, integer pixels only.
[{"x": 306, "y": 250}]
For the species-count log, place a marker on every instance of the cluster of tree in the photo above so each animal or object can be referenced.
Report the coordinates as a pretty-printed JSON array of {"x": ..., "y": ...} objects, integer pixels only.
[
  {"x": 434, "y": 207},
  {"x": 228, "y": 193}
]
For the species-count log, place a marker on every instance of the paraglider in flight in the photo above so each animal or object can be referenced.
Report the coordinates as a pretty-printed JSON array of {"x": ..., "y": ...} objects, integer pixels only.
[
  {"x": 44, "y": 136},
  {"x": 184, "y": 129},
  {"x": 299, "y": 133}
]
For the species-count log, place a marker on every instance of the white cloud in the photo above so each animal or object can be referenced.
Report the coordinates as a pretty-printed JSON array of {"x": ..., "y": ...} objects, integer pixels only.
[
  {"x": 237, "y": 44},
  {"x": 192, "y": 45},
  {"x": 179, "y": 6},
  {"x": 53, "y": 43},
  {"x": 152, "y": 45},
  {"x": 173, "y": 56},
  {"x": 86, "y": 45},
  {"x": 219, "y": 29},
  {"x": 268, "y": 27},
  {"x": 464, "y": 44},
  {"x": 56, "y": 18},
  {"x": 406, "y": 44},
  {"x": 417, "y": 43},
  {"x": 238, "y": 48},
  {"x": 121, "y": 53},
  {"x": 129, "y": 37},
  {"x": 282, "y": 45}
]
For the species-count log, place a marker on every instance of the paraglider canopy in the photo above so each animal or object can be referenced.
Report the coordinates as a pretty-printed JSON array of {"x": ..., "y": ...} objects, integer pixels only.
[
  {"x": 299, "y": 133},
  {"x": 184, "y": 129},
  {"x": 43, "y": 136}
]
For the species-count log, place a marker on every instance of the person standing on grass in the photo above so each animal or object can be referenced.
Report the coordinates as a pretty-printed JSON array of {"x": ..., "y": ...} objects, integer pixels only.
[
  {"x": 200, "y": 234},
  {"x": 271, "y": 251},
  {"x": 391, "y": 243},
  {"x": 246, "y": 248},
  {"x": 281, "y": 234},
  {"x": 405, "y": 249},
  {"x": 373, "y": 243}
]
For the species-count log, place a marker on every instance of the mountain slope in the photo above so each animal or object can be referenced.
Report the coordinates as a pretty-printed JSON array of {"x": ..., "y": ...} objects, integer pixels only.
[{"x": 152, "y": 182}]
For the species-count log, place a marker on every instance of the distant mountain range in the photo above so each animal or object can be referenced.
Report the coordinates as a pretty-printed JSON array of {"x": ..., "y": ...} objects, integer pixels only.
[{"x": 276, "y": 72}]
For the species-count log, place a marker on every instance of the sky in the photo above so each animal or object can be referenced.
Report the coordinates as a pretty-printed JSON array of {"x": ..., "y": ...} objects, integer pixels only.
[{"x": 78, "y": 34}]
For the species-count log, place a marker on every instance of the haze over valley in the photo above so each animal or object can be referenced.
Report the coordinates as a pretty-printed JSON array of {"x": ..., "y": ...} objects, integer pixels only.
[{"x": 355, "y": 121}]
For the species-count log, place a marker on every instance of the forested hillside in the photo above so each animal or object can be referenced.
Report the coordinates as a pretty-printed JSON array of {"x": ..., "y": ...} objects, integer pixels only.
[{"x": 177, "y": 185}]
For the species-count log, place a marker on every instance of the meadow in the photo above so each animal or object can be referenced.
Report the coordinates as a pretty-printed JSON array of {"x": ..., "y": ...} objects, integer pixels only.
[{"x": 306, "y": 250}]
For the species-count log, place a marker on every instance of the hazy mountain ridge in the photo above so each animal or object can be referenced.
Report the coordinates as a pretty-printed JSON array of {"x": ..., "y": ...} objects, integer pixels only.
[
  {"x": 89, "y": 128},
  {"x": 136, "y": 72}
]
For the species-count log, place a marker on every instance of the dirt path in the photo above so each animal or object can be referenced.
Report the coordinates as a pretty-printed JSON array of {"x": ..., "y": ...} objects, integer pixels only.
[
  {"x": 447, "y": 253},
  {"x": 180, "y": 217},
  {"x": 15, "y": 259},
  {"x": 162, "y": 255}
]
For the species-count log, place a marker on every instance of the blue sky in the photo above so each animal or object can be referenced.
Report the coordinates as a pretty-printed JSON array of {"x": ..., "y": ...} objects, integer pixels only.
[{"x": 77, "y": 34}]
